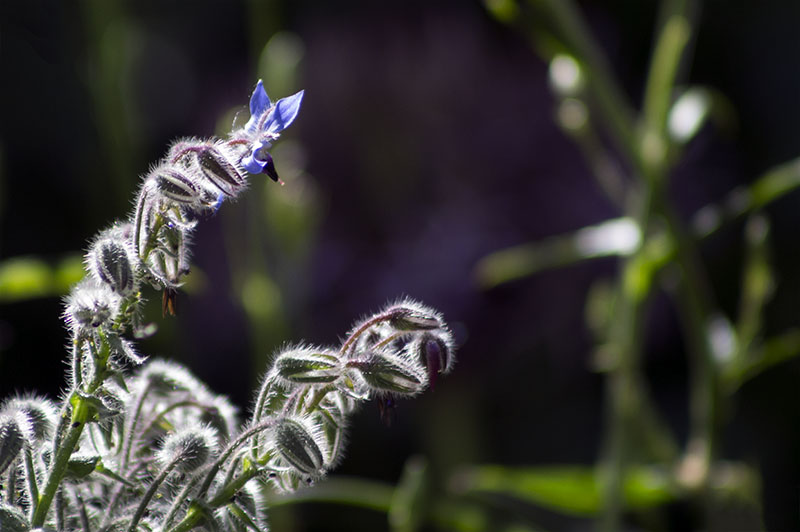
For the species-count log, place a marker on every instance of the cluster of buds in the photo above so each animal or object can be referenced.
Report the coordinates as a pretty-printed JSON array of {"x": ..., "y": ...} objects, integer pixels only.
[
  {"x": 153, "y": 449},
  {"x": 311, "y": 391}
]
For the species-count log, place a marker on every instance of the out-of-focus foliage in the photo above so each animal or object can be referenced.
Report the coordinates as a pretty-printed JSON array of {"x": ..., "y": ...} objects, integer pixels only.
[{"x": 24, "y": 278}]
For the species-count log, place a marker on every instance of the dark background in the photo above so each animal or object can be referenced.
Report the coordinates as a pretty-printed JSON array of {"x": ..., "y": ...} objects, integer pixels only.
[{"x": 428, "y": 141}]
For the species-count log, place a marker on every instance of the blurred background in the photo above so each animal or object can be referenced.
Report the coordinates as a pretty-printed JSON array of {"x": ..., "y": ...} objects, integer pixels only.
[{"x": 426, "y": 142}]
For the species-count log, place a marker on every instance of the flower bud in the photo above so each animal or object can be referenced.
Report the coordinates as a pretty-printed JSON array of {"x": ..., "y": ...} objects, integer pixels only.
[
  {"x": 12, "y": 519},
  {"x": 165, "y": 377},
  {"x": 12, "y": 438},
  {"x": 175, "y": 186},
  {"x": 388, "y": 373},
  {"x": 220, "y": 415},
  {"x": 411, "y": 316},
  {"x": 39, "y": 412},
  {"x": 219, "y": 171},
  {"x": 91, "y": 304},
  {"x": 299, "y": 447},
  {"x": 188, "y": 449},
  {"x": 307, "y": 365},
  {"x": 435, "y": 353},
  {"x": 110, "y": 262}
]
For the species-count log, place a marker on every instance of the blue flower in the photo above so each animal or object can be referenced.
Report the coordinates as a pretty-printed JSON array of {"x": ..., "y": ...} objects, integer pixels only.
[
  {"x": 266, "y": 122},
  {"x": 268, "y": 118},
  {"x": 259, "y": 160}
]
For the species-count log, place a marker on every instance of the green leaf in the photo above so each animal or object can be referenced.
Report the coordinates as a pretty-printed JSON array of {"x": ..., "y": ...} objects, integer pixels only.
[
  {"x": 615, "y": 237},
  {"x": 410, "y": 499},
  {"x": 23, "y": 278},
  {"x": 81, "y": 466},
  {"x": 572, "y": 489}
]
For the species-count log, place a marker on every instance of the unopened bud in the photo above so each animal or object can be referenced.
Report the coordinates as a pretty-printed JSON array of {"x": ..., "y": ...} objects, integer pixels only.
[
  {"x": 12, "y": 438},
  {"x": 298, "y": 447},
  {"x": 13, "y": 519},
  {"x": 165, "y": 377},
  {"x": 188, "y": 449},
  {"x": 40, "y": 413},
  {"x": 411, "y": 316},
  {"x": 220, "y": 415},
  {"x": 390, "y": 373},
  {"x": 110, "y": 262},
  {"x": 435, "y": 353},
  {"x": 219, "y": 171},
  {"x": 91, "y": 304},
  {"x": 175, "y": 186},
  {"x": 308, "y": 365}
]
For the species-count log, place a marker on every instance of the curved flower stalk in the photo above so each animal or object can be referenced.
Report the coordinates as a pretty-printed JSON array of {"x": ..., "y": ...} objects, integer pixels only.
[{"x": 154, "y": 449}]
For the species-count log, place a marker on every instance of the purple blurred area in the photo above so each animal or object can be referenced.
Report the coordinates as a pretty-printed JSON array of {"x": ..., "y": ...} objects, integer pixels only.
[{"x": 428, "y": 129}]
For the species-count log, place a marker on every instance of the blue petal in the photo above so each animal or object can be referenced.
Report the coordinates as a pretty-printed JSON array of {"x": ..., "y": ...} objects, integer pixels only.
[
  {"x": 259, "y": 103},
  {"x": 253, "y": 165},
  {"x": 284, "y": 114}
]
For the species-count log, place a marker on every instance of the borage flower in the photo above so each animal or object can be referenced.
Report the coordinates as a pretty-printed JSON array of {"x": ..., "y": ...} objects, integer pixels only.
[{"x": 267, "y": 120}]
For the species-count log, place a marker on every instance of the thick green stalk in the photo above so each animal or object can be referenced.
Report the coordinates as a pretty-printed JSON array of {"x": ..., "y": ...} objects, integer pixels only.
[
  {"x": 80, "y": 415},
  {"x": 652, "y": 164},
  {"x": 194, "y": 516},
  {"x": 623, "y": 385}
]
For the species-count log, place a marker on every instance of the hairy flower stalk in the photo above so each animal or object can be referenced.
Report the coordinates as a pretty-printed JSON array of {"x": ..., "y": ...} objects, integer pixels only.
[{"x": 152, "y": 448}]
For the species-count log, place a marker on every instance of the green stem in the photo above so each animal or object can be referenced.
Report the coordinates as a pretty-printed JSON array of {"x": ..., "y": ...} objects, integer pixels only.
[
  {"x": 612, "y": 102},
  {"x": 179, "y": 500},
  {"x": 194, "y": 515},
  {"x": 145, "y": 501},
  {"x": 672, "y": 41},
  {"x": 358, "y": 332},
  {"x": 445, "y": 513},
  {"x": 65, "y": 447},
  {"x": 80, "y": 415},
  {"x": 11, "y": 485},
  {"x": 694, "y": 304},
  {"x": 30, "y": 473},
  {"x": 243, "y": 517},
  {"x": 242, "y": 438},
  {"x": 624, "y": 387},
  {"x": 129, "y": 432},
  {"x": 649, "y": 158},
  {"x": 229, "y": 490}
]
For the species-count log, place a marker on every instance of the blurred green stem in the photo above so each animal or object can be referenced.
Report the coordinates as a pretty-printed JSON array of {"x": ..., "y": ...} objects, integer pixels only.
[
  {"x": 648, "y": 158},
  {"x": 444, "y": 513},
  {"x": 611, "y": 100}
]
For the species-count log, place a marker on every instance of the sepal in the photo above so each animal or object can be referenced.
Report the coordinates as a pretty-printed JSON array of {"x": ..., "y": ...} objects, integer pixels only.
[
  {"x": 388, "y": 373},
  {"x": 188, "y": 449},
  {"x": 299, "y": 447},
  {"x": 13, "y": 436},
  {"x": 308, "y": 366},
  {"x": 13, "y": 520}
]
